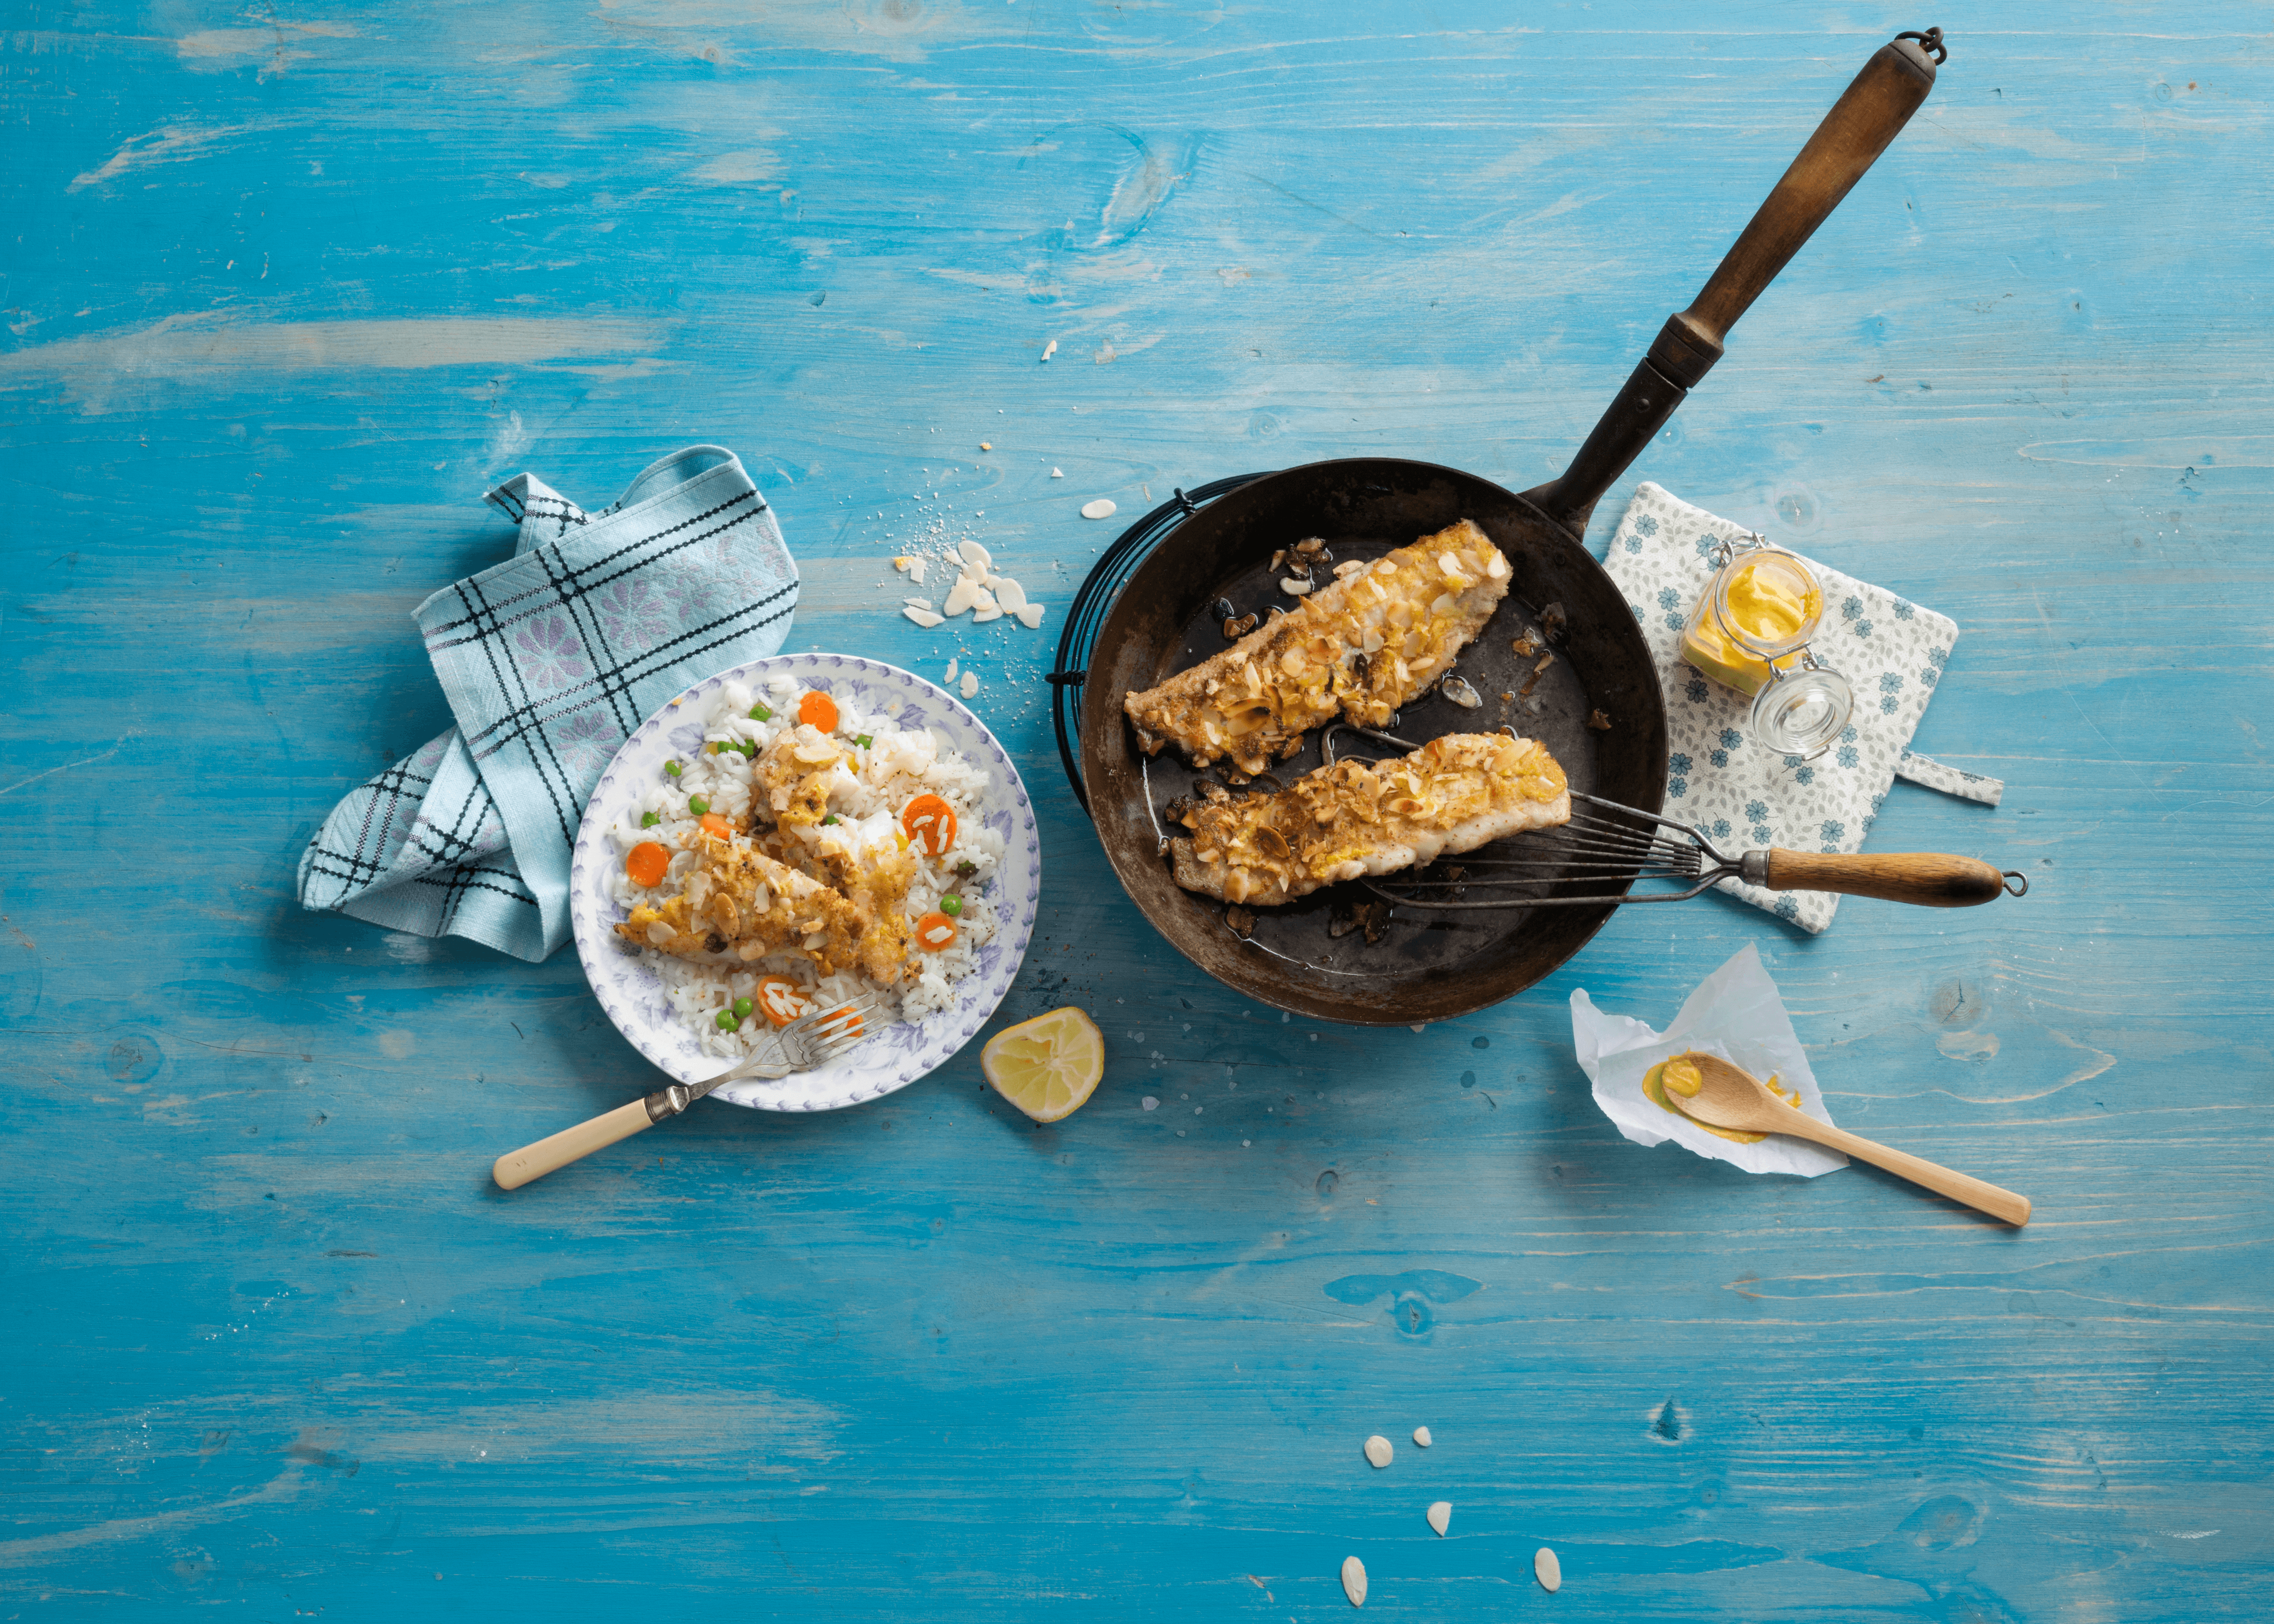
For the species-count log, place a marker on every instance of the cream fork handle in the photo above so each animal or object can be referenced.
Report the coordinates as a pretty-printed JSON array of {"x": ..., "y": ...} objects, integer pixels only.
[
  {"x": 1974, "y": 1192},
  {"x": 517, "y": 1167}
]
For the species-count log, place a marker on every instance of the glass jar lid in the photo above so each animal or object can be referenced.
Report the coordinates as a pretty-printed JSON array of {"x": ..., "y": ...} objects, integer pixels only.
[
  {"x": 1801, "y": 711},
  {"x": 1767, "y": 602}
]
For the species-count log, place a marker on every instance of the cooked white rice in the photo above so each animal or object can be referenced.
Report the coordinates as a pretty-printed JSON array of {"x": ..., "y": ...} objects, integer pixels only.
[{"x": 898, "y": 765}]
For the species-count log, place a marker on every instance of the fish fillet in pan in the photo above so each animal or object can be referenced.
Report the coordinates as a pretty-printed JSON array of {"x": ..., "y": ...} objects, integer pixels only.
[
  {"x": 1357, "y": 817},
  {"x": 1359, "y": 649}
]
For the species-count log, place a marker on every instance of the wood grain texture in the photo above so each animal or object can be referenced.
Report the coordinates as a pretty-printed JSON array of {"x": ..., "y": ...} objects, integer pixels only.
[{"x": 286, "y": 290}]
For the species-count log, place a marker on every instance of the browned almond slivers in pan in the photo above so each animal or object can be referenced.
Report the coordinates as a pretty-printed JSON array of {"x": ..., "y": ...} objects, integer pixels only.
[
  {"x": 1358, "y": 818},
  {"x": 1358, "y": 649}
]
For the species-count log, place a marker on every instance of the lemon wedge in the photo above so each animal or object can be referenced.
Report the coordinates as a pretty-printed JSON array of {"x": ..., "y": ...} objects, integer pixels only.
[{"x": 1049, "y": 1066}]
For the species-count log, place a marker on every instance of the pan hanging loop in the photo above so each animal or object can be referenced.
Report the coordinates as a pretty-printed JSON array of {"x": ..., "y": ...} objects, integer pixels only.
[
  {"x": 2015, "y": 883},
  {"x": 1930, "y": 42}
]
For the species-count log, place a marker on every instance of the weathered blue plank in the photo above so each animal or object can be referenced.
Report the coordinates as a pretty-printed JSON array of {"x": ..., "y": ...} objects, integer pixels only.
[{"x": 284, "y": 295}]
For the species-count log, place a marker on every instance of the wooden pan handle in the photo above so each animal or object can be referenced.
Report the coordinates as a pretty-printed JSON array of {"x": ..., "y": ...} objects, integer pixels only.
[
  {"x": 1974, "y": 1192},
  {"x": 1927, "y": 879},
  {"x": 1869, "y": 113},
  {"x": 517, "y": 1167}
]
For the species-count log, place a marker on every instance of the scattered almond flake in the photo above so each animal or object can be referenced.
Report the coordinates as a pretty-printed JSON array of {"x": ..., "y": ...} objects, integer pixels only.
[
  {"x": 1150, "y": 1103},
  {"x": 963, "y": 595},
  {"x": 1031, "y": 616},
  {"x": 924, "y": 618},
  {"x": 1008, "y": 593},
  {"x": 986, "y": 612},
  {"x": 970, "y": 684},
  {"x": 1057, "y": 473},
  {"x": 1104, "y": 507},
  {"x": 1550, "y": 1571},
  {"x": 917, "y": 603},
  {"x": 1049, "y": 350},
  {"x": 1378, "y": 1451},
  {"x": 1441, "y": 1516},
  {"x": 951, "y": 671},
  {"x": 976, "y": 556},
  {"x": 1354, "y": 1581},
  {"x": 1421, "y": 1436},
  {"x": 983, "y": 446}
]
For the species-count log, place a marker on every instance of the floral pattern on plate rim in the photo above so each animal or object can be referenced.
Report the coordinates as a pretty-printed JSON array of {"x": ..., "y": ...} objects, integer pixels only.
[{"x": 631, "y": 992}]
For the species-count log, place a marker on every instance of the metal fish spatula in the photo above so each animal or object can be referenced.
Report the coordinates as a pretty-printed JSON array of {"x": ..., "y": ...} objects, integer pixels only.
[
  {"x": 1607, "y": 848},
  {"x": 808, "y": 1042}
]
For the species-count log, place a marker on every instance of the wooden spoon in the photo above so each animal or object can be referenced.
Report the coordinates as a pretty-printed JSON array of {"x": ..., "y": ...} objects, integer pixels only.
[{"x": 1730, "y": 1097}]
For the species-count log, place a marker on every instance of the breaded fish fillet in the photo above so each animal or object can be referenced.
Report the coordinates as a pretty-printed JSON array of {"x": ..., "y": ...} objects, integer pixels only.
[
  {"x": 738, "y": 898},
  {"x": 1358, "y": 818},
  {"x": 1361, "y": 648}
]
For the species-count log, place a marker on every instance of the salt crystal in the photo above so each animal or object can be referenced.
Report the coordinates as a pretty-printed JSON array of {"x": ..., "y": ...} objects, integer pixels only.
[
  {"x": 1031, "y": 616},
  {"x": 1421, "y": 1436},
  {"x": 970, "y": 684},
  {"x": 924, "y": 618},
  {"x": 1378, "y": 1451},
  {"x": 1104, "y": 507},
  {"x": 1441, "y": 1516},
  {"x": 1354, "y": 1581},
  {"x": 1057, "y": 474},
  {"x": 1150, "y": 1103}
]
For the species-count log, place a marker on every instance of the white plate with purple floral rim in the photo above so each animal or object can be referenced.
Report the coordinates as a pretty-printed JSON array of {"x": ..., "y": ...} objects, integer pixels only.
[{"x": 625, "y": 981}]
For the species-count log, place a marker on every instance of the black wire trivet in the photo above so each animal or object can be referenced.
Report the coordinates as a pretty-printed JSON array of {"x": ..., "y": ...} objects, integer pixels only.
[{"x": 1100, "y": 590}]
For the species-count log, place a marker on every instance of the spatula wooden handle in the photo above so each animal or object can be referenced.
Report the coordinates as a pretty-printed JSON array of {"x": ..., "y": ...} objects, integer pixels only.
[
  {"x": 1974, "y": 1192},
  {"x": 1927, "y": 879},
  {"x": 517, "y": 1167}
]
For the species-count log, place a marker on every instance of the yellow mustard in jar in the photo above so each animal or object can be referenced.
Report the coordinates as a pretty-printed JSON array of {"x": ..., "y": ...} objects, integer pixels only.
[
  {"x": 1680, "y": 1075},
  {"x": 1767, "y": 602}
]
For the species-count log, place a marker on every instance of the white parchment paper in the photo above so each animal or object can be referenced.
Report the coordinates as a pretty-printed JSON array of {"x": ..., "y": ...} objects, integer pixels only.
[{"x": 1735, "y": 1013}]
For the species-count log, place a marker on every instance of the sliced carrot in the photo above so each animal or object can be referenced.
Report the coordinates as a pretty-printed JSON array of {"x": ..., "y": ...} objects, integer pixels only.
[
  {"x": 818, "y": 710},
  {"x": 780, "y": 999},
  {"x": 935, "y": 932},
  {"x": 713, "y": 823},
  {"x": 931, "y": 824},
  {"x": 646, "y": 863}
]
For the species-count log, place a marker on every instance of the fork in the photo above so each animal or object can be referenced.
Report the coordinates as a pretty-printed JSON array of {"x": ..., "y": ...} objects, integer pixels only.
[{"x": 811, "y": 1040}]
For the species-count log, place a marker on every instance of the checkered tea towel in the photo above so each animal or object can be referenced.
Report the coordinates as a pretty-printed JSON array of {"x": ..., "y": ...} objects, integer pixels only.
[
  {"x": 549, "y": 660},
  {"x": 1891, "y": 651}
]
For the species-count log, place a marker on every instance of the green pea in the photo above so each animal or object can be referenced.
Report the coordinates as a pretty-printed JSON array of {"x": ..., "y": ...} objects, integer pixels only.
[
  {"x": 865, "y": 741},
  {"x": 829, "y": 820},
  {"x": 698, "y": 805},
  {"x": 951, "y": 905},
  {"x": 728, "y": 1022},
  {"x": 649, "y": 819},
  {"x": 761, "y": 713},
  {"x": 671, "y": 769},
  {"x": 742, "y": 1008}
]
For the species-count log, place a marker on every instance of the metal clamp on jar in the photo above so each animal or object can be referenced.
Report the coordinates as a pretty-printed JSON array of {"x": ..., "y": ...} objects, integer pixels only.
[{"x": 1751, "y": 631}]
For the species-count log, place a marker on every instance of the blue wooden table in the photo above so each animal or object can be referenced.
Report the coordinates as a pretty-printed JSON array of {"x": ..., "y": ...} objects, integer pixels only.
[{"x": 287, "y": 290}]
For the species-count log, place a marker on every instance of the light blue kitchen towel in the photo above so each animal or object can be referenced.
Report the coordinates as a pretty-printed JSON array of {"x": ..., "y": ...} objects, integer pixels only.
[{"x": 549, "y": 661}]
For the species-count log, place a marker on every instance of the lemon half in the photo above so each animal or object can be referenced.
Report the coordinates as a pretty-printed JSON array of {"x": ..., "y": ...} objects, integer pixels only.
[{"x": 1049, "y": 1066}]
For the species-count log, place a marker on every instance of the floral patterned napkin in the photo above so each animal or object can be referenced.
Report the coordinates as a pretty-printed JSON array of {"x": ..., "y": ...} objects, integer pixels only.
[
  {"x": 1891, "y": 651},
  {"x": 549, "y": 661}
]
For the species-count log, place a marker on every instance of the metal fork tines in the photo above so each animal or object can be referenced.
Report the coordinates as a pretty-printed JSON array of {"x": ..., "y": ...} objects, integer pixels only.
[{"x": 813, "y": 1040}]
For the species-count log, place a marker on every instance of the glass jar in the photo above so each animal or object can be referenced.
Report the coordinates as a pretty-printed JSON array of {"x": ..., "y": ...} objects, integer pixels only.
[{"x": 1751, "y": 631}]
